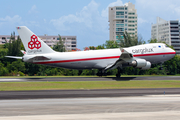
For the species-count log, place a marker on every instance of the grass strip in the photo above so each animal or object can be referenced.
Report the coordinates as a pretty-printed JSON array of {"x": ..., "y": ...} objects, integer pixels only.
[
  {"x": 18, "y": 86},
  {"x": 85, "y": 76}
]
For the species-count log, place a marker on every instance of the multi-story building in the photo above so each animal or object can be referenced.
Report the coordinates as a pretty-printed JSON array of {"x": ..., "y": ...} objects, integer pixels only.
[
  {"x": 168, "y": 32},
  {"x": 70, "y": 42},
  {"x": 121, "y": 19}
]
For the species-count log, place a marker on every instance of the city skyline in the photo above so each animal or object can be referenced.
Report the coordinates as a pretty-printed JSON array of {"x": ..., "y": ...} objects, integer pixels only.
[
  {"x": 68, "y": 41},
  {"x": 121, "y": 19},
  {"x": 168, "y": 32},
  {"x": 88, "y": 20}
]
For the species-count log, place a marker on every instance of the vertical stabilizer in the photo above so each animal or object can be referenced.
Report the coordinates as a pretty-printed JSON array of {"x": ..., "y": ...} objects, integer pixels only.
[{"x": 32, "y": 43}]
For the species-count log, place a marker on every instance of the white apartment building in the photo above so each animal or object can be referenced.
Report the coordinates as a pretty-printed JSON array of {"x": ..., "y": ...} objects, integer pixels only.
[
  {"x": 121, "y": 19},
  {"x": 168, "y": 32},
  {"x": 70, "y": 42}
]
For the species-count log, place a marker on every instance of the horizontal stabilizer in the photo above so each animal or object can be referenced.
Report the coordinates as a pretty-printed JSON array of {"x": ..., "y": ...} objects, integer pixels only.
[{"x": 15, "y": 57}]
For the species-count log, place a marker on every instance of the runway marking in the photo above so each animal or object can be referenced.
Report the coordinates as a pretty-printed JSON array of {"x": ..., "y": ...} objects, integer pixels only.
[
  {"x": 166, "y": 95},
  {"x": 7, "y": 80},
  {"x": 126, "y": 108},
  {"x": 97, "y": 116}
]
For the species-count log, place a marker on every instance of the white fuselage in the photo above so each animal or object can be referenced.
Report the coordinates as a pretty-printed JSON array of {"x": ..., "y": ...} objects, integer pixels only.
[
  {"x": 100, "y": 59},
  {"x": 154, "y": 52},
  {"x": 92, "y": 59}
]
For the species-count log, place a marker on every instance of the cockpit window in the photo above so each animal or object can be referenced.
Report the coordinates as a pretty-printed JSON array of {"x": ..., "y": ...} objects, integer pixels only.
[{"x": 166, "y": 46}]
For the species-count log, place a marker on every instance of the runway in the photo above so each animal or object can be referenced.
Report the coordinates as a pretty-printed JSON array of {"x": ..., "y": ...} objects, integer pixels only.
[
  {"x": 87, "y": 79},
  {"x": 39, "y": 94},
  {"x": 156, "y": 107},
  {"x": 104, "y": 104}
]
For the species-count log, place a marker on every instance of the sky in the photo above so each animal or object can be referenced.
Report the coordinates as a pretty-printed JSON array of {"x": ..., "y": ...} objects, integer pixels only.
[{"x": 86, "y": 19}]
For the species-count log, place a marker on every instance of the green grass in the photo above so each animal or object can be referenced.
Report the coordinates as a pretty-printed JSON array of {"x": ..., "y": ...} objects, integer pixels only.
[
  {"x": 1, "y": 46},
  {"x": 84, "y": 76},
  {"x": 40, "y": 76},
  {"x": 16, "y": 86}
]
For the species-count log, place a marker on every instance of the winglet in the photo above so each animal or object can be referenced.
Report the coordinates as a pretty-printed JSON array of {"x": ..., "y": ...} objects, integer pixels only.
[
  {"x": 125, "y": 53},
  {"x": 24, "y": 52}
]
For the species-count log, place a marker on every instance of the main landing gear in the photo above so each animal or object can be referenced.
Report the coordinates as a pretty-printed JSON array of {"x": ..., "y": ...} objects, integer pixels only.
[
  {"x": 79, "y": 72},
  {"x": 101, "y": 73},
  {"x": 161, "y": 68},
  {"x": 118, "y": 75}
]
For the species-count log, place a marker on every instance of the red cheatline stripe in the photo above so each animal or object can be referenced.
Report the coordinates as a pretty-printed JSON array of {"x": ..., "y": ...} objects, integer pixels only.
[
  {"x": 100, "y": 58},
  {"x": 76, "y": 60},
  {"x": 154, "y": 54}
]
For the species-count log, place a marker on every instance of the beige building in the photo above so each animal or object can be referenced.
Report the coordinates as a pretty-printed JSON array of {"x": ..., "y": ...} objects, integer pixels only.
[
  {"x": 121, "y": 19},
  {"x": 168, "y": 32},
  {"x": 70, "y": 42}
]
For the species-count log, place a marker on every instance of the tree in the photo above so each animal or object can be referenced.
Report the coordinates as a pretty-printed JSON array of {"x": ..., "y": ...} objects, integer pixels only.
[
  {"x": 111, "y": 44},
  {"x": 3, "y": 52},
  {"x": 76, "y": 49},
  {"x": 86, "y": 48},
  {"x": 92, "y": 48},
  {"x": 59, "y": 45},
  {"x": 31, "y": 69},
  {"x": 3, "y": 70},
  {"x": 152, "y": 41},
  {"x": 172, "y": 65},
  {"x": 14, "y": 46},
  {"x": 100, "y": 47},
  {"x": 129, "y": 40}
]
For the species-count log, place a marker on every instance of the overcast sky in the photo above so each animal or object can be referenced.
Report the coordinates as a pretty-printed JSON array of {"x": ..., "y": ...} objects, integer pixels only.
[{"x": 86, "y": 19}]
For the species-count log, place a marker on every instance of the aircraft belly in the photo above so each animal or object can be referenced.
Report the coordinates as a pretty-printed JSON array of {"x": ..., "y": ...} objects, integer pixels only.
[
  {"x": 78, "y": 65},
  {"x": 104, "y": 63},
  {"x": 93, "y": 64}
]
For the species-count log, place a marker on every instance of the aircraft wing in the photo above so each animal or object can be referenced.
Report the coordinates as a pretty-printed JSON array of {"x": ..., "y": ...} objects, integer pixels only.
[
  {"x": 127, "y": 59},
  {"x": 123, "y": 59}
]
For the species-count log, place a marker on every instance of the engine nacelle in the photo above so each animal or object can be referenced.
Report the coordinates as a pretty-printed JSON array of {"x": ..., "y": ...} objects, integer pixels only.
[
  {"x": 139, "y": 63},
  {"x": 148, "y": 66}
]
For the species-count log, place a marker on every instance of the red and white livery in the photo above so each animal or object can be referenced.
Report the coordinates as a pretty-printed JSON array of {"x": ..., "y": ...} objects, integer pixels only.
[{"x": 140, "y": 56}]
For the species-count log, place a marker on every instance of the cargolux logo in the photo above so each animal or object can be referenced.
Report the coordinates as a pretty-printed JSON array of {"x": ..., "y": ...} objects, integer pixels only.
[
  {"x": 145, "y": 50},
  {"x": 34, "y": 43}
]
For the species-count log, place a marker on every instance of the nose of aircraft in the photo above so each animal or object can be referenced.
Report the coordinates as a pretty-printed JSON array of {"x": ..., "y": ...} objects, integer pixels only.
[{"x": 173, "y": 52}]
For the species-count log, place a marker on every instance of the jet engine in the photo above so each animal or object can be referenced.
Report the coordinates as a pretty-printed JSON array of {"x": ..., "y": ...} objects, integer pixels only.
[
  {"x": 148, "y": 66},
  {"x": 141, "y": 63}
]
